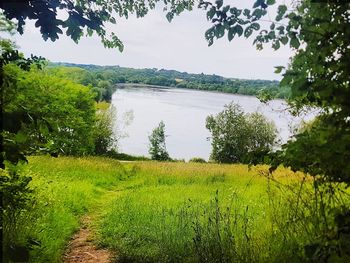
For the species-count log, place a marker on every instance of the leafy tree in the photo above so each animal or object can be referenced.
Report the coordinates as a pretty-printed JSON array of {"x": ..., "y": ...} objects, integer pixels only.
[
  {"x": 157, "y": 147},
  {"x": 58, "y": 114},
  {"x": 321, "y": 149},
  {"x": 262, "y": 139},
  {"x": 106, "y": 88},
  {"x": 13, "y": 150},
  {"x": 103, "y": 136},
  {"x": 318, "y": 74},
  {"x": 197, "y": 160},
  {"x": 14, "y": 191},
  {"x": 239, "y": 137}
]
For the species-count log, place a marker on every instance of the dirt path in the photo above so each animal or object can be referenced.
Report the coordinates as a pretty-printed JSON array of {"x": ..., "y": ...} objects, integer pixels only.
[{"x": 82, "y": 249}]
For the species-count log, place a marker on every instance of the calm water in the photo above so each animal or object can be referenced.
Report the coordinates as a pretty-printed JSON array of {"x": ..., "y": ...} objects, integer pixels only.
[{"x": 184, "y": 113}]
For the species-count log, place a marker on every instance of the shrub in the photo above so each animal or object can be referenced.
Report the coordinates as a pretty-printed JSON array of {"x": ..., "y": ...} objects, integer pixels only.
[
  {"x": 47, "y": 112},
  {"x": 125, "y": 157},
  {"x": 239, "y": 137},
  {"x": 157, "y": 147},
  {"x": 103, "y": 130},
  {"x": 16, "y": 200},
  {"x": 197, "y": 160}
]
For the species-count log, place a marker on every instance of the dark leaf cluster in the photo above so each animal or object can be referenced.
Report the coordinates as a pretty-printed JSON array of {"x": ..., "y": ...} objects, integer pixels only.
[{"x": 83, "y": 17}]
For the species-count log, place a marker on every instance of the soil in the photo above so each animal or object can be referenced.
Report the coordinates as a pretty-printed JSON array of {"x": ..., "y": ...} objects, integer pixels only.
[{"x": 82, "y": 249}]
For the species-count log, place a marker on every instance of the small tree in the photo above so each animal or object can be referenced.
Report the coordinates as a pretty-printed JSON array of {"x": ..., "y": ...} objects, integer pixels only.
[
  {"x": 157, "y": 147},
  {"x": 103, "y": 135},
  {"x": 239, "y": 137}
]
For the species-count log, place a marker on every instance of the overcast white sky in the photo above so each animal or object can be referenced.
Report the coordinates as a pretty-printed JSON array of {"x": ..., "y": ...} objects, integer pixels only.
[{"x": 153, "y": 42}]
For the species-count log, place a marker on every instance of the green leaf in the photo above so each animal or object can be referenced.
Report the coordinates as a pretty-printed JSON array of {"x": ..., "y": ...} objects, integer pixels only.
[
  {"x": 248, "y": 31},
  {"x": 294, "y": 42},
  {"x": 209, "y": 34},
  {"x": 225, "y": 9},
  {"x": 20, "y": 137},
  {"x": 276, "y": 45},
  {"x": 284, "y": 40},
  {"x": 219, "y": 31},
  {"x": 89, "y": 32},
  {"x": 258, "y": 13},
  {"x": 271, "y": 35},
  {"x": 169, "y": 16},
  {"x": 231, "y": 33},
  {"x": 280, "y": 12},
  {"x": 246, "y": 12},
  {"x": 235, "y": 11},
  {"x": 219, "y": 3},
  {"x": 278, "y": 69},
  {"x": 226, "y": 24},
  {"x": 239, "y": 30},
  {"x": 270, "y": 2},
  {"x": 280, "y": 29},
  {"x": 211, "y": 13},
  {"x": 257, "y": 3},
  {"x": 255, "y": 26}
]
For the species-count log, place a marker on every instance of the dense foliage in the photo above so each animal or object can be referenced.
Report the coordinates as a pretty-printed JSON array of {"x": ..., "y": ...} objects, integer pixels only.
[
  {"x": 157, "y": 145},
  {"x": 238, "y": 137},
  {"x": 319, "y": 76},
  {"x": 62, "y": 112},
  {"x": 103, "y": 135},
  {"x": 40, "y": 113}
]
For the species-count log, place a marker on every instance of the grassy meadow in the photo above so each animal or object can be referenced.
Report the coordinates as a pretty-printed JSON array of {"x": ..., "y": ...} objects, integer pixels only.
[{"x": 168, "y": 212}]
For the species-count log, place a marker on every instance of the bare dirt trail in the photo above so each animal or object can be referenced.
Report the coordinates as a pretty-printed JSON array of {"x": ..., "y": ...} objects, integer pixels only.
[{"x": 82, "y": 249}]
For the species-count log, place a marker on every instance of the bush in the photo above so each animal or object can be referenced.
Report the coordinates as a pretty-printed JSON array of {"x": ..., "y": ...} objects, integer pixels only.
[
  {"x": 125, "y": 157},
  {"x": 46, "y": 112},
  {"x": 197, "y": 160},
  {"x": 103, "y": 130},
  {"x": 239, "y": 137},
  {"x": 157, "y": 147},
  {"x": 16, "y": 200}
]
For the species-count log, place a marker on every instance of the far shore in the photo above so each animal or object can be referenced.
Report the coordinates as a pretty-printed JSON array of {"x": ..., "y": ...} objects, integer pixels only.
[
  {"x": 150, "y": 86},
  {"x": 140, "y": 85}
]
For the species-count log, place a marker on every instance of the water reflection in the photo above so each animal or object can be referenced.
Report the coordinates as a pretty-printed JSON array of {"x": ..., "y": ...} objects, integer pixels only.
[{"x": 184, "y": 113}]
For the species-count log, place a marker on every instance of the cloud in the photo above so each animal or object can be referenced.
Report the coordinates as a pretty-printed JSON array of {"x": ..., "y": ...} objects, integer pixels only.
[{"x": 154, "y": 42}]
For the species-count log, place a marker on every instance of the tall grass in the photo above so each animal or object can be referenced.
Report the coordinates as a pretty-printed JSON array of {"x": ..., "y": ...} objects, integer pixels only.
[
  {"x": 213, "y": 213},
  {"x": 174, "y": 212},
  {"x": 65, "y": 189},
  {"x": 192, "y": 213}
]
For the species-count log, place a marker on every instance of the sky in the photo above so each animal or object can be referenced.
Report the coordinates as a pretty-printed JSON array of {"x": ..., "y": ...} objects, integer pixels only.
[{"x": 153, "y": 42}]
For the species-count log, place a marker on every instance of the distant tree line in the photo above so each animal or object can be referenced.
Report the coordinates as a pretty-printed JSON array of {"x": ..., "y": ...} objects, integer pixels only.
[{"x": 103, "y": 79}]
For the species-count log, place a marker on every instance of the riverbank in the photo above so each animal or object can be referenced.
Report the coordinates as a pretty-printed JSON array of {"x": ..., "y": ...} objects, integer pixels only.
[{"x": 149, "y": 86}]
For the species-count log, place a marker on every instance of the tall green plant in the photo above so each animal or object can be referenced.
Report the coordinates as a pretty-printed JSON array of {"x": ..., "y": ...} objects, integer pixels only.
[
  {"x": 239, "y": 137},
  {"x": 104, "y": 138},
  {"x": 157, "y": 146},
  {"x": 49, "y": 112}
]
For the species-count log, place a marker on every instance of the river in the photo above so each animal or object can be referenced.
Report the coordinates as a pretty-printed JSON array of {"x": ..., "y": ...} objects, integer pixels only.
[{"x": 184, "y": 112}]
